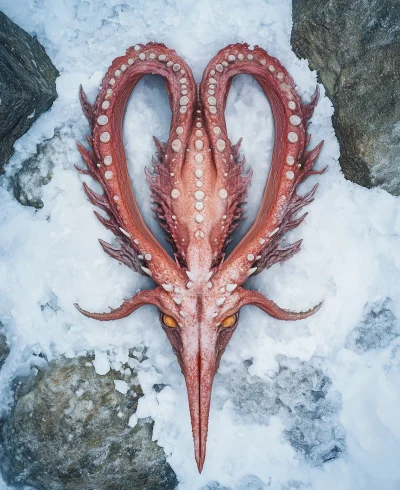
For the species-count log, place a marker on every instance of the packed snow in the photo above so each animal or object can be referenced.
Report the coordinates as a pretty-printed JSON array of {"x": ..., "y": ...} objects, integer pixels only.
[{"x": 296, "y": 405}]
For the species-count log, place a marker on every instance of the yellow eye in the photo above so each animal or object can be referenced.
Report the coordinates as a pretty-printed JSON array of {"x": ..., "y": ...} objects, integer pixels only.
[
  {"x": 229, "y": 321},
  {"x": 169, "y": 321}
]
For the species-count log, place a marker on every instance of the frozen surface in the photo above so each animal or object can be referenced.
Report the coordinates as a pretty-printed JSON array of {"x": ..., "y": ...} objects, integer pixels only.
[
  {"x": 306, "y": 405},
  {"x": 377, "y": 330},
  {"x": 300, "y": 393}
]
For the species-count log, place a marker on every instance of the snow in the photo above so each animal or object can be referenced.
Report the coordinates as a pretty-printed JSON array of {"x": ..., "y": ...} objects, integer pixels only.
[
  {"x": 121, "y": 386},
  {"x": 133, "y": 420},
  {"x": 101, "y": 363},
  {"x": 288, "y": 395}
]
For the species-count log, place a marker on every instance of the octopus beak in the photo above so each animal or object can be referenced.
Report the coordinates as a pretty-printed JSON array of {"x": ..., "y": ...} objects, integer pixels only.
[{"x": 199, "y": 370}]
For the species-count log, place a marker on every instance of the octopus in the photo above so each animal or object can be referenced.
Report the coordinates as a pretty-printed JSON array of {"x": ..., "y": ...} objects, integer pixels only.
[{"x": 199, "y": 183}]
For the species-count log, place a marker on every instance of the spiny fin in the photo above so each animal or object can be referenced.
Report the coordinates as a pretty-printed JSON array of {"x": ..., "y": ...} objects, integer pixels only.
[{"x": 86, "y": 106}]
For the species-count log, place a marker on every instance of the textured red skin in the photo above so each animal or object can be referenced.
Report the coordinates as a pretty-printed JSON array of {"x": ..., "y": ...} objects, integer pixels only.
[{"x": 197, "y": 288}]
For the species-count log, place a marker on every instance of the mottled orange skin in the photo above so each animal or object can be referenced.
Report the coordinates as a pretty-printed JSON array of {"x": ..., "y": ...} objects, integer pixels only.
[{"x": 199, "y": 289}]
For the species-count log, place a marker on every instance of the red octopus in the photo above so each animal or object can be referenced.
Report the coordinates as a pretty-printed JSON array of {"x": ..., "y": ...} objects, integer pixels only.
[{"x": 199, "y": 187}]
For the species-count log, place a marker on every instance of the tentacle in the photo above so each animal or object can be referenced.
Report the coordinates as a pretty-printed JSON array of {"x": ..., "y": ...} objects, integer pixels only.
[
  {"x": 128, "y": 306},
  {"x": 290, "y": 165},
  {"x": 257, "y": 299},
  {"x": 106, "y": 162}
]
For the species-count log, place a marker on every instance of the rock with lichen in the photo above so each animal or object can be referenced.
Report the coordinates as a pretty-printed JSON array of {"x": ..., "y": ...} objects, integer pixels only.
[{"x": 71, "y": 428}]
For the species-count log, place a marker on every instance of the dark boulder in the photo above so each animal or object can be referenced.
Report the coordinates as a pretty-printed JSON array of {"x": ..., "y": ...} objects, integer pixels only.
[
  {"x": 27, "y": 84},
  {"x": 69, "y": 429},
  {"x": 354, "y": 45}
]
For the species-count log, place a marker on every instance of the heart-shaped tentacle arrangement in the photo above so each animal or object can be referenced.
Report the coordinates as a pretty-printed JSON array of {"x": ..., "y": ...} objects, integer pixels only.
[{"x": 199, "y": 186}]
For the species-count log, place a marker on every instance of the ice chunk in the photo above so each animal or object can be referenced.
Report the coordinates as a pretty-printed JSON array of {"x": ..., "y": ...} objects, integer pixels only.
[
  {"x": 121, "y": 386},
  {"x": 101, "y": 363}
]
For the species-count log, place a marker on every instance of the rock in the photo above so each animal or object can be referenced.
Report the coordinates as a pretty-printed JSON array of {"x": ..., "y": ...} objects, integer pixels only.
[
  {"x": 354, "y": 46},
  {"x": 34, "y": 173},
  {"x": 4, "y": 349},
  {"x": 68, "y": 429},
  {"x": 377, "y": 330},
  {"x": 302, "y": 395},
  {"x": 27, "y": 84},
  {"x": 37, "y": 170}
]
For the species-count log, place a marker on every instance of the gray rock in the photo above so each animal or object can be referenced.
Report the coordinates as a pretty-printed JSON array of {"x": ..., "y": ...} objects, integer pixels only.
[
  {"x": 379, "y": 327},
  {"x": 37, "y": 172},
  {"x": 302, "y": 395},
  {"x": 68, "y": 429},
  {"x": 354, "y": 45},
  {"x": 27, "y": 84},
  {"x": 4, "y": 349}
]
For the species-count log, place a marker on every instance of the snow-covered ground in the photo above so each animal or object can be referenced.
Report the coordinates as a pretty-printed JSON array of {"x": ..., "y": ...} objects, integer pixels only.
[{"x": 288, "y": 395}]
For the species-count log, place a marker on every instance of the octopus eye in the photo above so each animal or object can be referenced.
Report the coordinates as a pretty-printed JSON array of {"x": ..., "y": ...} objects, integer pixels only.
[
  {"x": 169, "y": 321},
  {"x": 229, "y": 321}
]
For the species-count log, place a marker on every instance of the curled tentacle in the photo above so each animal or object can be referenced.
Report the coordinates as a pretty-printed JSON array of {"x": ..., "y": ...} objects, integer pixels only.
[
  {"x": 255, "y": 298},
  {"x": 128, "y": 306}
]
